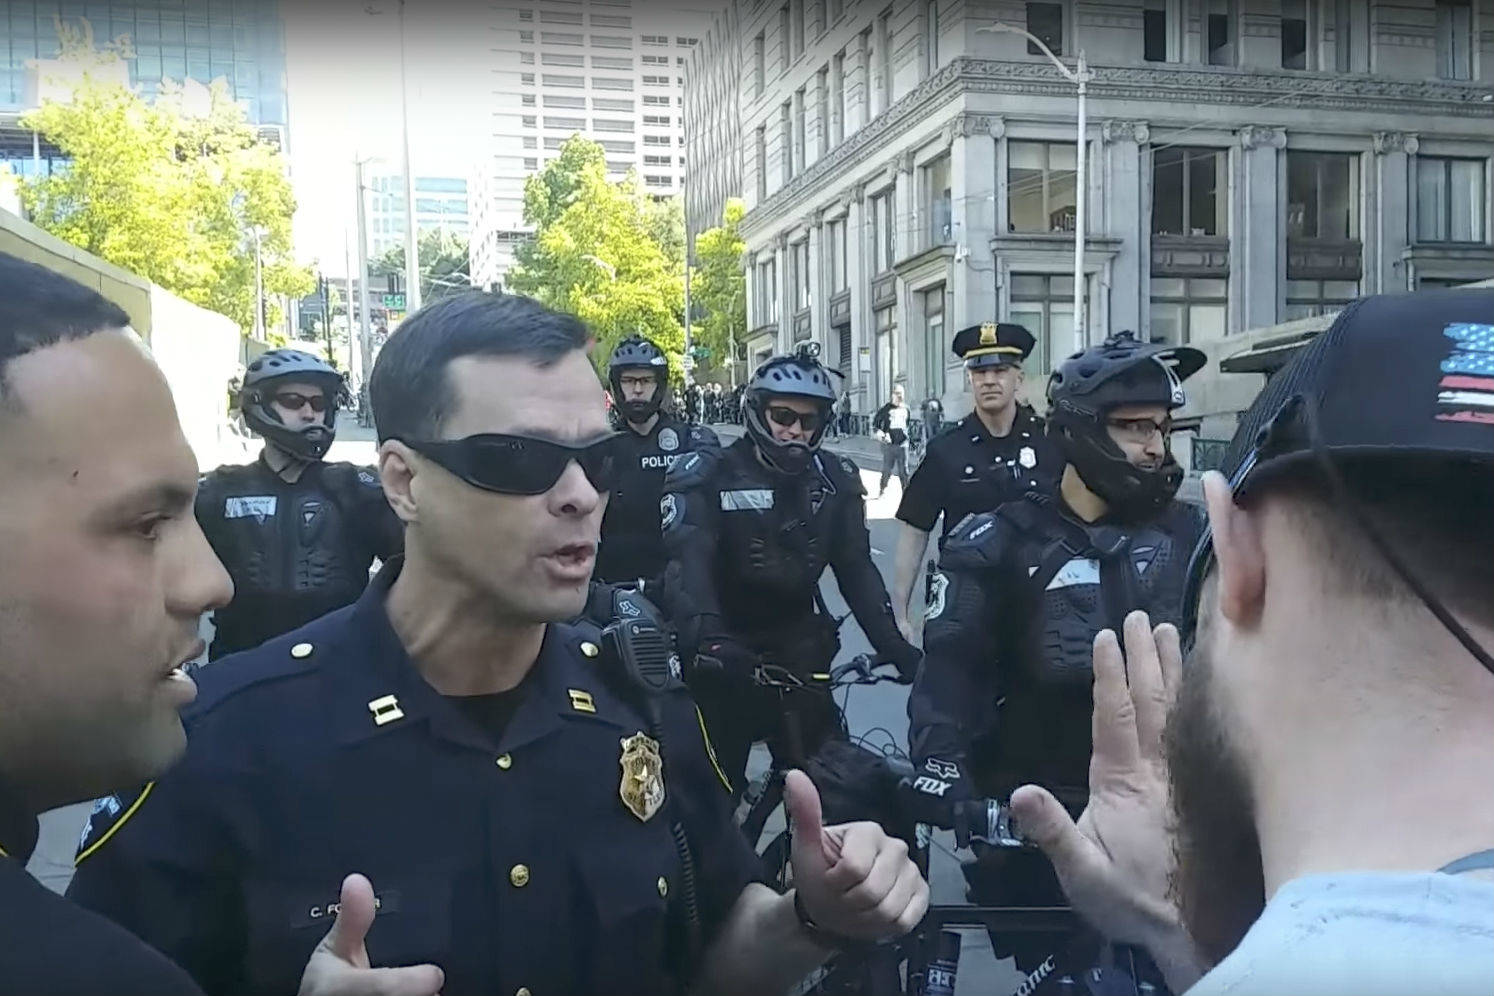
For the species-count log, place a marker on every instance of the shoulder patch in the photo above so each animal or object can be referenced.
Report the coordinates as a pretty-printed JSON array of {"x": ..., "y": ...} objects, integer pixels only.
[
  {"x": 669, "y": 510},
  {"x": 368, "y": 477},
  {"x": 849, "y": 466},
  {"x": 108, "y": 815},
  {"x": 938, "y": 585}
]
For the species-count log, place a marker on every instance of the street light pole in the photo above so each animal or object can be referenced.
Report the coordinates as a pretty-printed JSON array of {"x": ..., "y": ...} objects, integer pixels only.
[
  {"x": 259, "y": 289},
  {"x": 1079, "y": 76},
  {"x": 365, "y": 344},
  {"x": 1081, "y": 150},
  {"x": 412, "y": 258}
]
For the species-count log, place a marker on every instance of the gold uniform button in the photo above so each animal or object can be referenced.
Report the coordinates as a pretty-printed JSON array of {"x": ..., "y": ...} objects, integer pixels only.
[
  {"x": 505, "y": 762},
  {"x": 519, "y": 876},
  {"x": 301, "y": 651},
  {"x": 589, "y": 649},
  {"x": 523, "y": 991},
  {"x": 663, "y": 886}
]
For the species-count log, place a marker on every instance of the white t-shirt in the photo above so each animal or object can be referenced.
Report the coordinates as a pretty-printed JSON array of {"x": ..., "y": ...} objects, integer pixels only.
[{"x": 1366, "y": 934}]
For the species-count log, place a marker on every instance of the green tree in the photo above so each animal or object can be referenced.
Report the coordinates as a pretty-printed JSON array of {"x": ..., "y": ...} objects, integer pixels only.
[
  {"x": 719, "y": 288},
  {"x": 444, "y": 264},
  {"x": 605, "y": 251},
  {"x": 173, "y": 194}
]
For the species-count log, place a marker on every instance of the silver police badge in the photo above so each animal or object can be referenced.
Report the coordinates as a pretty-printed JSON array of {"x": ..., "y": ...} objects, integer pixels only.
[
  {"x": 1027, "y": 457},
  {"x": 642, "y": 787},
  {"x": 669, "y": 440}
]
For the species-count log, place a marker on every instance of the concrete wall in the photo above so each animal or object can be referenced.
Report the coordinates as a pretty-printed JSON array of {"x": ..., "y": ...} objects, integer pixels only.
[
  {"x": 198, "y": 350},
  {"x": 132, "y": 293}
]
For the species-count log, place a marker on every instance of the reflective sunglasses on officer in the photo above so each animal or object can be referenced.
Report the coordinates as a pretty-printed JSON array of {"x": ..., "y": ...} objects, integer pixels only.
[
  {"x": 520, "y": 465},
  {"x": 294, "y": 401},
  {"x": 786, "y": 417}
]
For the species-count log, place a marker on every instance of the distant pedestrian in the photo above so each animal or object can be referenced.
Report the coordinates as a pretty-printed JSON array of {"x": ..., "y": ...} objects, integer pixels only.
[{"x": 890, "y": 424}]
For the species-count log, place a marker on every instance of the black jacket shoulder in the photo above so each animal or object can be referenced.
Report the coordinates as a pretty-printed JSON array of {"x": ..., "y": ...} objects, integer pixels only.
[
  {"x": 349, "y": 478},
  {"x": 980, "y": 541},
  {"x": 692, "y": 470},
  {"x": 55, "y": 946}
]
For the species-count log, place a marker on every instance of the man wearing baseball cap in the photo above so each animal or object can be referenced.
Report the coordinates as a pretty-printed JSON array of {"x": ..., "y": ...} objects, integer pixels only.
[{"x": 1328, "y": 756}]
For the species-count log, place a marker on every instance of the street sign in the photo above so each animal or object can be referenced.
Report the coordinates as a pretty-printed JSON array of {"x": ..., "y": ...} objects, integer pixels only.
[
  {"x": 395, "y": 302},
  {"x": 688, "y": 362}
]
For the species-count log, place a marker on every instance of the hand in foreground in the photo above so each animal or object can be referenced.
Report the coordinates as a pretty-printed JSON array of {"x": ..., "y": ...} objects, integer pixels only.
[
  {"x": 339, "y": 965},
  {"x": 1114, "y": 864},
  {"x": 853, "y": 879}
]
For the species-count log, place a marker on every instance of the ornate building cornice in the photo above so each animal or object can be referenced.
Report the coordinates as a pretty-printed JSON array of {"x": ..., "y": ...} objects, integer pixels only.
[
  {"x": 1262, "y": 137},
  {"x": 1395, "y": 141},
  {"x": 1126, "y": 131},
  {"x": 1193, "y": 85}
]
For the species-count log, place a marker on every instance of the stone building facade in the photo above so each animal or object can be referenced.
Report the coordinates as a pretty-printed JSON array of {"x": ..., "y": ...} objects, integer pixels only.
[{"x": 1249, "y": 162}]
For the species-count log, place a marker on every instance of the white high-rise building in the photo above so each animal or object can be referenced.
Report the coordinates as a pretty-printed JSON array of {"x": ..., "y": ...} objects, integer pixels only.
[
  {"x": 611, "y": 70},
  {"x": 441, "y": 204}
]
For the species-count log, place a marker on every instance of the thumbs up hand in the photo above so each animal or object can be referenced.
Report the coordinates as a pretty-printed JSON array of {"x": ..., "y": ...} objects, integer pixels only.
[
  {"x": 339, "y": 965},
  {"x": 853, "y": 880}
]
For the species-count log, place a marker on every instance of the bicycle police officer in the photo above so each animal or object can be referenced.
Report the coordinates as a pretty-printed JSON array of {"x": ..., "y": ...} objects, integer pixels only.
[
  {"x": 539, "y": 814},
  {"x": 632, "y": 548},
  {"x": 995, "y": 454},
  {"x": 749, "y": 531},
  {"x": 1004, "y": 694},
  {"x": 297, "y": 534}
]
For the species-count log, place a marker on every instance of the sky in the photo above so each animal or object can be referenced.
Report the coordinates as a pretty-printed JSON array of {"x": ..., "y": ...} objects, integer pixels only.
[{"x": 342, "y": 76}]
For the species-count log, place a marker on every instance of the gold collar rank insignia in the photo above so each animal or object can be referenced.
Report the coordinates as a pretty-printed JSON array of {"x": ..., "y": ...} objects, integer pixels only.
[{"x": 642, "y": 787}]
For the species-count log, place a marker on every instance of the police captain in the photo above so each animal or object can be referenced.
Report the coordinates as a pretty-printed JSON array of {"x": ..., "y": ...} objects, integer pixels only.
[
  {"x": 536, "y": 820},
  {"x": 996, "y": 454}
]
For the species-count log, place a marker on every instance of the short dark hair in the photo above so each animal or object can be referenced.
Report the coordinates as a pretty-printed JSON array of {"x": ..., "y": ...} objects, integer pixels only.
[
  {"x": 40, "y": 308},
  {"x": 1432, "y": 511},
  {"x": 410, "y": 388}
]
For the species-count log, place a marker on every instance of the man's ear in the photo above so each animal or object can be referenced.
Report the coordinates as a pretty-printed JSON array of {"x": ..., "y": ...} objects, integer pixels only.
[
  {"x": 397, "y": 474},
  {"x": 1240, "y": 553}
]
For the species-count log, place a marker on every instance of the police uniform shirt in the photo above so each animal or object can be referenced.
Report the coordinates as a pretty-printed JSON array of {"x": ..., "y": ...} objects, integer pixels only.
[
  {"x": 967, "y": 470},
  {"x": 632, "y": 546},
  {"x": 295, "y": 550},
  {"x": 52, "y": 946},
  {"x": 515, "y": 866}
]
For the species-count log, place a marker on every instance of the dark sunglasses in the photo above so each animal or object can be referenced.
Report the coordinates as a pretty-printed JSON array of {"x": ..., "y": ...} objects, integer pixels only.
[
  {"x": 295, "y": 402},
  {"x": 520, "y": 465},
  {"x": 783, "y": 416}
]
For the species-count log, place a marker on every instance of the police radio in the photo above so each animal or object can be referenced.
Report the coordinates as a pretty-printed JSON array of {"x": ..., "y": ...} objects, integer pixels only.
[{"x": 639, "y": 644}]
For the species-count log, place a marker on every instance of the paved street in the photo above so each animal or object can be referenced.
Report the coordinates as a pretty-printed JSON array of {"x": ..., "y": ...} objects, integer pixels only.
[{"x": 877, "y": 713}]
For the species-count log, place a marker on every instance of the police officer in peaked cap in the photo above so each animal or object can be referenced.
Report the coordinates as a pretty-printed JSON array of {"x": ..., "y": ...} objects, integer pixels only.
[{"x": 997, "y": 453}]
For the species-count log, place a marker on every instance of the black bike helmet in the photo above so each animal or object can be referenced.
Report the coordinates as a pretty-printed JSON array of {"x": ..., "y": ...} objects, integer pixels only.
[
  {"x": 637, "y": 353},
  {"x": 1088, "y": 386},
  {"x": 261, "y": 380},
  {"x": 799, "y": 376}
]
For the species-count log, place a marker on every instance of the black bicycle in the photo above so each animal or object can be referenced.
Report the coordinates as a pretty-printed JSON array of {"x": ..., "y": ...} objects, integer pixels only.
[{"x": 877, "y": 786}]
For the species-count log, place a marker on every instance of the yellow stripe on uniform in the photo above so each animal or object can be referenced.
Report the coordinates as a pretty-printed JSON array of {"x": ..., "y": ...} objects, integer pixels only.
[
  {"x": 711, "y": 751},
  {"x": 144, "y": 793}
]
